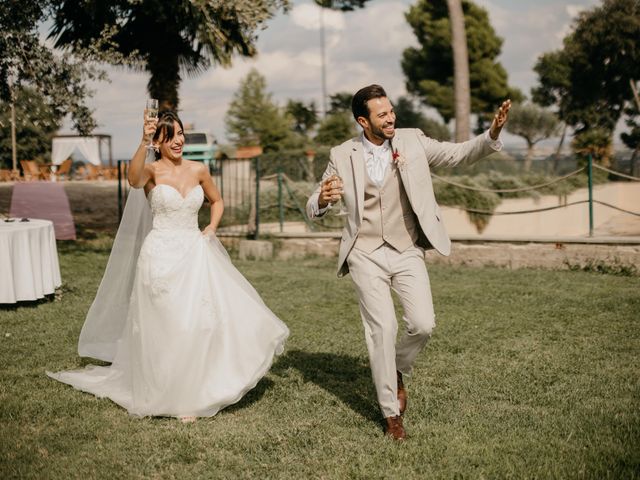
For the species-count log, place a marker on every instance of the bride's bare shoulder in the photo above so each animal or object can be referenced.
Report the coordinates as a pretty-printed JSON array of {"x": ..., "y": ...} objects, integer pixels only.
[
  {"x": 150, "y": 168},
  {"x": 196, "y": 167}
]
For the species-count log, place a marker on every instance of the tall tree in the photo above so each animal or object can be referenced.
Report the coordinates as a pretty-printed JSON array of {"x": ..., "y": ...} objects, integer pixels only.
[
  {"x": 407, "y": 116},
  {"x": 335, "y": 128},
  {"x": 554, "y": 82},
  {"x": 305, "y": 116},
  {"x": 632, "y": 139},
  {"x": 429, "y": 69},
  {"x": 462, "y": 89},
  {"x": 36, "y": 125},
  {"x": 340, "y": 102},
  {"x": 27, "y": 61},
  {"x": 553, "y": 90},
  {"x": 169, "y": 39},
  {"x": 43, "y": 85},
  {"x": 254, "y": 119},
  {"x": 589, "y": 80},
  {"x": 338, "y": 125},
  {"x": 533, "y": 123}
]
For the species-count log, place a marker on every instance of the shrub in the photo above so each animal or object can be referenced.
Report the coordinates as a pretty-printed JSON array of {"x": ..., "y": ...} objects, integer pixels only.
[
  {"x": 607, "y": 267},
  {"x": 452, "y": 195}
]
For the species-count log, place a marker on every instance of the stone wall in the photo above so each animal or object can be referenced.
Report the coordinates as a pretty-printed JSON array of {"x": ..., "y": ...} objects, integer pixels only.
[
  {"x": 513, "y": 255},
  {"x": 538, "y": 255}
]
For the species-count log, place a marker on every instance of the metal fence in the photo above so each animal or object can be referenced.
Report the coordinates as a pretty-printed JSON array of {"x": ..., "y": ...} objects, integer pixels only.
[
  {"x": 249, "y": 196},
  {"x": 237, "y": 180},
  {"x": 590, "y": 167}
]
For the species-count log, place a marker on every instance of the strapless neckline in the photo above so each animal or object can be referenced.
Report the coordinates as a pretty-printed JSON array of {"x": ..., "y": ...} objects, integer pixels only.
[{"x": 175, "y": 189}]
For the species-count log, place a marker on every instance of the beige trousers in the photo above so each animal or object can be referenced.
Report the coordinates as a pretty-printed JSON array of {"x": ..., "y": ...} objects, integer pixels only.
[{"x": 375, "y": 275}]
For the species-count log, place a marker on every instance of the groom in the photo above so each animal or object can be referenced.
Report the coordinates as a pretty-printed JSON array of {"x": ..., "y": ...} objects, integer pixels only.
[{"x": 384, "y": 181}]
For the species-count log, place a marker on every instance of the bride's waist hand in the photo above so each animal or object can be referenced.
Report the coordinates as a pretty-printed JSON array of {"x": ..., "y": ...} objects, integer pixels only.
[{"x": 209, "y": 231}]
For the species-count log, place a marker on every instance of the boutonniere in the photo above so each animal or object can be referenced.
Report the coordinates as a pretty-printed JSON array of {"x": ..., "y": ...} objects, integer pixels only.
[{"x": 398, "y": 159}]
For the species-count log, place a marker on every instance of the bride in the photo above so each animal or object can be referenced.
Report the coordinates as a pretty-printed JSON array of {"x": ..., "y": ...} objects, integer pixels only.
[{"x": 185, "y": 333}]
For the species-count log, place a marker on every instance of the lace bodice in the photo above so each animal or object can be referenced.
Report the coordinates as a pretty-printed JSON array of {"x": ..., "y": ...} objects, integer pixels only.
[{"x": 173, "y": 211}]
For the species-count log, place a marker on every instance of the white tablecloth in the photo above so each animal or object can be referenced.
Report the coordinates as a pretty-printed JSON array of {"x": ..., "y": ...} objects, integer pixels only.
[{"x": 29, "y": 267}]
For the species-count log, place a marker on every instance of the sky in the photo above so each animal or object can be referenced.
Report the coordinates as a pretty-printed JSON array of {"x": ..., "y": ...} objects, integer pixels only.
[{"x": 362, "y": 47}]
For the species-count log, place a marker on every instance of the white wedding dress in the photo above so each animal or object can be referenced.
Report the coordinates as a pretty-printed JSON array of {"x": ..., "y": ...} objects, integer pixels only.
[{"x": 197, "y": 336}]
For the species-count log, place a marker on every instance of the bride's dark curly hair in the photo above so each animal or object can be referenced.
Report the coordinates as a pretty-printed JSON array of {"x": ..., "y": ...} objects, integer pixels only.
[{"x": 165, "y": 128}]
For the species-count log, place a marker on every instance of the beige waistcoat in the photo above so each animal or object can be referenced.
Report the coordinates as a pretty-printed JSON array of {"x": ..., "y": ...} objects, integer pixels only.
[{"x": 387, "y": 215}]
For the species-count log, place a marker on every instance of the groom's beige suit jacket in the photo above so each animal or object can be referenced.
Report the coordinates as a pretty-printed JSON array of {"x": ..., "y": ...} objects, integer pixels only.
[{"x": 417, "y": 153}]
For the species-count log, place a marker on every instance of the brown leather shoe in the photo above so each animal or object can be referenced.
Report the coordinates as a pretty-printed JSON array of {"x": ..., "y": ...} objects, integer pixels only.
[
  {"x": 394, "y": 428},
  {"x": 402, "y": 395}
]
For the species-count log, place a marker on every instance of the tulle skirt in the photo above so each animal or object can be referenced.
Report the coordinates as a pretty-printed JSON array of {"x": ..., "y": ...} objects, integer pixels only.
[{"x": 197, "y": 335}]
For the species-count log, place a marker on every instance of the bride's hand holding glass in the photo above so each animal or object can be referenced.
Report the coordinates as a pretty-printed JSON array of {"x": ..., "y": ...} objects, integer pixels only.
[
  {"x": 150, "y": 122},
  {"x": 148, "y": 130}
]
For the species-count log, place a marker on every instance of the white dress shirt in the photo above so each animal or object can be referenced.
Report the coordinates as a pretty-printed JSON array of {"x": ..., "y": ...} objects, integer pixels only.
[{"x": 377, "y": 159}]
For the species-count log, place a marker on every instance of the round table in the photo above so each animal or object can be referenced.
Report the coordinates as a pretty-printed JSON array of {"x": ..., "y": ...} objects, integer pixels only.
[{"x": 29, "y": 267}]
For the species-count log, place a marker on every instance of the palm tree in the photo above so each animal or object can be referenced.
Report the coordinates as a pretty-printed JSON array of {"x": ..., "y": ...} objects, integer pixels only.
[
  {"x": 462, "y": 89},
  {"x": 167, "y": 39}
]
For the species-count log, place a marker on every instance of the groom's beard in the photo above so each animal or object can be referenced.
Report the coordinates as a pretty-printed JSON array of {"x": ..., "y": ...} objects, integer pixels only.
[{"x": 379, "y": 132}]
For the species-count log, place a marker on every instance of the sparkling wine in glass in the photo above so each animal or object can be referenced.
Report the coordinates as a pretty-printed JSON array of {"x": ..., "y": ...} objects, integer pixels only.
[
  {"x": 151, "y": 112},
  {"x": 336, "y": 182}
]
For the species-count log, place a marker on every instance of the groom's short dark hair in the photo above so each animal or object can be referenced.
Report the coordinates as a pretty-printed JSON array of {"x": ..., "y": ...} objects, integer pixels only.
[{"x": 359, "y": 101}]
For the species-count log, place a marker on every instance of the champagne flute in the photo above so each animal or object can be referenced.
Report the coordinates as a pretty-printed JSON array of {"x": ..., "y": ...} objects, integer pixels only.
[
  {"x": 151, "y": 112},
  {"x": 336, "y": 182}
]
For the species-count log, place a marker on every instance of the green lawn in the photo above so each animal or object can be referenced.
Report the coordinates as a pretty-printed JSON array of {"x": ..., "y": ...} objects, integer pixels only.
[{"x": 530, "y": 374}]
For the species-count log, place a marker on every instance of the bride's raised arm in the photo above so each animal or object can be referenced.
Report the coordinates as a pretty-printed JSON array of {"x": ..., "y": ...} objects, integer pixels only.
[{"x": 139, "y": 174}]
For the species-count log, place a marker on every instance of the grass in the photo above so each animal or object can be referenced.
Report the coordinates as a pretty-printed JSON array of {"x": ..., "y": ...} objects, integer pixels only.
[{"x": 530, "y": 374}]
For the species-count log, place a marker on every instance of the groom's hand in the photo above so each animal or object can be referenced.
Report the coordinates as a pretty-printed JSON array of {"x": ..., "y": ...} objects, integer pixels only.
[
  {"x": 499, "y": 119},
  {"x": 330, "y": 191}
]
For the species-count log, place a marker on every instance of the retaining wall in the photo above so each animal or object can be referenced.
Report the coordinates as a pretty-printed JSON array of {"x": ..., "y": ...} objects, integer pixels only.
[{"x": 513, "y": 254}]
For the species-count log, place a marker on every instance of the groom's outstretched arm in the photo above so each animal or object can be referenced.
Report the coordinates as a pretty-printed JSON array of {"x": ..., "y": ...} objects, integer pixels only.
[
  {"x": 499, "y": 119},
  {"x": 313, "y": 209},
  {"x": 451, "y": 154}
]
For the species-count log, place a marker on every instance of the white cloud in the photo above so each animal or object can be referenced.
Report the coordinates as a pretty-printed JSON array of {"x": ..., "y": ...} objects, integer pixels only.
[
  {"x": 378, "y": 30},
  {"x": 332, "y": 40},
  {"x": 279, "y": 67},
  {"x": 574, "y": 10},
  {"x": 500, "y": 17},
  {"x": 308, "y": 16}
]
